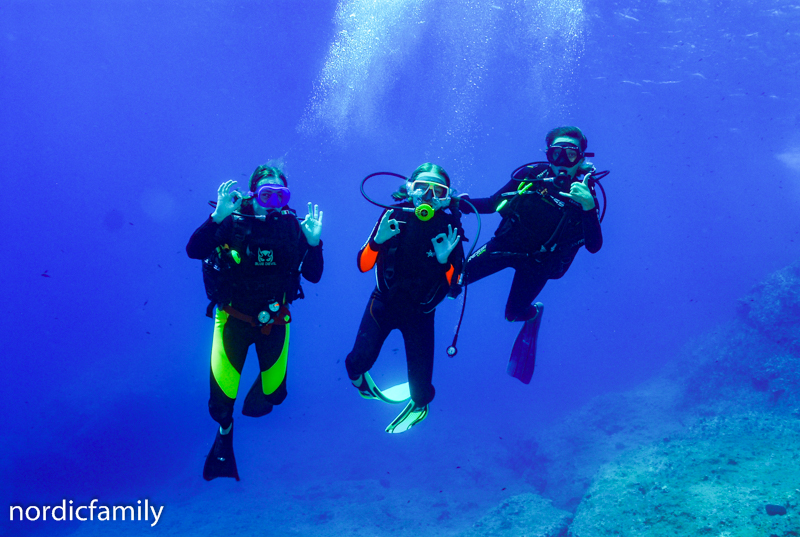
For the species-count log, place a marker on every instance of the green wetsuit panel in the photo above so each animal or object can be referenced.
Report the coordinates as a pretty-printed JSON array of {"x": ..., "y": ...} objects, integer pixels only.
[
  {"x": 224, "y": 373},
  {"x": 272, "y": 378}
]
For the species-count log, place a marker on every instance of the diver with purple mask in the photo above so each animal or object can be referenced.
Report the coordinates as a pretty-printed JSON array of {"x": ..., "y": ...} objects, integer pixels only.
[
  {"x": 254, "y": 249},
  {"x": 549, "y": 211}
]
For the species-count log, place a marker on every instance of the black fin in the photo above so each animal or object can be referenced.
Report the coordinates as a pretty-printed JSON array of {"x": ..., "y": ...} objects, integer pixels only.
[{"x": 220, "y": 461}]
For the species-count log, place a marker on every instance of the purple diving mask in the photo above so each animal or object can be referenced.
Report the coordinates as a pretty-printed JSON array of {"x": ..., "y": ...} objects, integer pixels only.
[{"x": 271, "y": 196}]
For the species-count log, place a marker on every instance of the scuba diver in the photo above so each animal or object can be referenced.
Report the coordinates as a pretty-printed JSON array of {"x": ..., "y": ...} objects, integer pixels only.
[
  {"x": 548, "y": 213},
  {"x": 416, "y": 251},
  {"x": 254, "y": 249}
]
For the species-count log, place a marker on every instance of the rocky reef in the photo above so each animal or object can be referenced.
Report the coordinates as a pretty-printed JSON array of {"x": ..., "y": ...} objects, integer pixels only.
[
  {"x": 522, "y": 516},
  {"x": 710, "y": 447},
  {"x": 731, "y": 476},
  {"x": 773, "y": 307}
]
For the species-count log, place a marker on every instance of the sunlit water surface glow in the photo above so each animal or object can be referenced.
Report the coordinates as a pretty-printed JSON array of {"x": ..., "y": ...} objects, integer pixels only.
[{"x": 462, "y": 44}]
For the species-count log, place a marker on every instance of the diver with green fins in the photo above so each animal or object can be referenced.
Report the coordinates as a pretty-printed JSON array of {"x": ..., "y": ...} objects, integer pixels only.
[
  {"x": 549, "y": 211},
  {"x": 416, "y": 252},
  {"x": 254, "y": 250}
]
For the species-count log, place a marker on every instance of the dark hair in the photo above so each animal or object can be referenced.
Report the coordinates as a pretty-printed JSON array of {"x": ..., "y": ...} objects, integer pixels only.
[
  {"x": 264, "y": 171},
  {"x": 432, "y": 168},
  {"x": 572, "y": 132},
  {"x": 402, "y": 194}
]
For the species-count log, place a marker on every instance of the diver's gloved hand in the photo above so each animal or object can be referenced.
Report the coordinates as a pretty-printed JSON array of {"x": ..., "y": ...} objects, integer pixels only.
[
  {"x": 388, "y": 228},
  {"x": 444, "y": 244},
  {"x": 312, "y": 225},
  {"x": 228, "y": 200},
  {"x": 579, "y": 191}
]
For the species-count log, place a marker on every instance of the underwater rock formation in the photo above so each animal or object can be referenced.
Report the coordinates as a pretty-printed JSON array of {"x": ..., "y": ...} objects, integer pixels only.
[
  {"x": 737, "y": 367},
  {"x": 603, "y": 430},
  {"x": 709, "y": 447},
  {"x": 718, "y": 480},
  {"x": 773, "y": 307},
  {"x": 524, "y": 515}
]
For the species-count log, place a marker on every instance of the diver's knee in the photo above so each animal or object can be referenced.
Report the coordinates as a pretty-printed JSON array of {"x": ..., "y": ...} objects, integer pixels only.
[{"x": 277, "y": 397}]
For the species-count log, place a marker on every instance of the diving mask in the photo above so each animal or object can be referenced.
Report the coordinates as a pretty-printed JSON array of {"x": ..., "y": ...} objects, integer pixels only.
[
  {"x": 271, "y": 196},
  {"x": 564, "y": 154},
  {"x": 421, "y": 188},
  {"x": 426, "y": 188}
]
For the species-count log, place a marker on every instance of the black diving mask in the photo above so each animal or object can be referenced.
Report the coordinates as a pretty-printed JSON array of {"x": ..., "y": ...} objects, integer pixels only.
[{"x": 564, "y": 154}]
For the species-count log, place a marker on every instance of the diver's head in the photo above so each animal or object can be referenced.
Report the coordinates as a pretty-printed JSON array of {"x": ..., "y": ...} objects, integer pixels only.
[
  {"x": 268, "y": 191},
  {"x": 429, "y": 185},
  {"x": 566, "y": 147}
]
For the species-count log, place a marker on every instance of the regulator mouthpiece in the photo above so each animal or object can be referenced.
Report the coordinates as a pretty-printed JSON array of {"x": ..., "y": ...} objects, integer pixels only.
[{"x": 424, "y": 212}]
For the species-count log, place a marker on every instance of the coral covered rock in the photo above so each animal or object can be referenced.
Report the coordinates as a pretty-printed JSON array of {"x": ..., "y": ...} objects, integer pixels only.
[
  {"x": 773, "y": 307},
  {"x": 525, "y": 515},
  {"x": 716, "y": 481}
]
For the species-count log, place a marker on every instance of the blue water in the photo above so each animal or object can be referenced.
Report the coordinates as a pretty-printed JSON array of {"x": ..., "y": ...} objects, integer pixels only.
[{"x": 120, "y": 119}]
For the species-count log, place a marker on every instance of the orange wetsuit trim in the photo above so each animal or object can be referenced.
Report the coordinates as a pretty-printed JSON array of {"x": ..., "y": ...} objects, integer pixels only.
[
  {"x": 449, "y": 274},
  {"x": 366, "y": 258}
]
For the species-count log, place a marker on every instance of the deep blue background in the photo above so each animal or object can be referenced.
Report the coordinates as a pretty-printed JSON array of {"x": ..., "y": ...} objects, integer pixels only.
[{"x": 120, "y": 119}]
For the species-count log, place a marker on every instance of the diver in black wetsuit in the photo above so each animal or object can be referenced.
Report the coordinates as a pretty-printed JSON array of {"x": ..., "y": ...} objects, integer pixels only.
[
  {"x": 415, "y": 260},
  {"x": 267, "y": 249},
  {"x": 548, "y": 214}
]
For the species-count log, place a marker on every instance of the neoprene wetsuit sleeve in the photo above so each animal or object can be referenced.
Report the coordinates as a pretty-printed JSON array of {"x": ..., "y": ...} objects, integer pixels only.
[
  {"x": 368, "y": 254},
  {"x": 313, "y": 264},
  {"x": 488, "y": 205},
  {"x": 205, "y": 239},
  {"x": 592, "y": 233}
]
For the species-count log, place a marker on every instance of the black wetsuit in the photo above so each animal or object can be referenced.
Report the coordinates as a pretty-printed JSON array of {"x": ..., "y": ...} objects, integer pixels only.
[
  {"x": 274, "y": 252},
  {"x": 539, "y": 236},
  {"x": 410, "y": 284}
]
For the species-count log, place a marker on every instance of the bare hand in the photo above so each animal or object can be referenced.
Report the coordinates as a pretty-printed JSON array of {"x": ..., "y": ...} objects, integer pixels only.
[
  {"x": 228, "y": 201},
  {"x": 388, "y": 228},
  {"x": 312, "y": 225},
  {"x": 443, "y": 244},
  {"x": 580, "y": 192}
]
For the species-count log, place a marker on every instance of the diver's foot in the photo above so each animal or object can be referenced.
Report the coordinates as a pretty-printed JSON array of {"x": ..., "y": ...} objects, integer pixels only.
[
  {"x": 366, "y": 387},
  {"x": 220, "y": 461},
  {"x": 535, "y": 311},
  {"x": 410, "y": 416}
]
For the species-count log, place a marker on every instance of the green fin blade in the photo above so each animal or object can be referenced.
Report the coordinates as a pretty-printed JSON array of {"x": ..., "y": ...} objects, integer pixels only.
[
  {"x": 396, "y": 394},
  {"x": 410, "y": 416}
]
